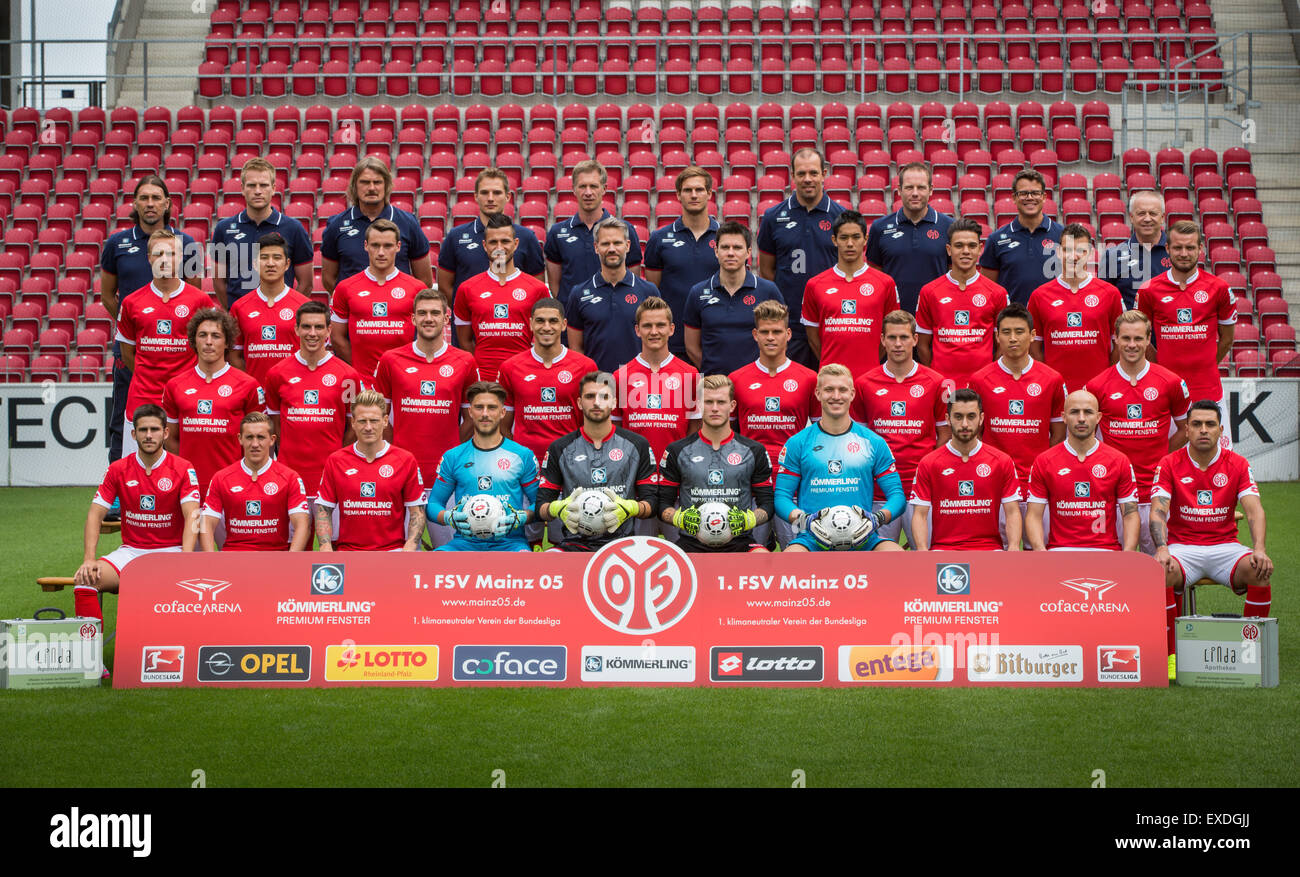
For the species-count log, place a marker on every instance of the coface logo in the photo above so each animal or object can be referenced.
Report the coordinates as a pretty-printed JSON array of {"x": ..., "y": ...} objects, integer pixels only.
[
  {"x": 268, "y": 333},
  {"x": 147, "y": 502},
  {"x": 766, "y": 664},
  {"x": 352, "y": 663},
  {"x": 162, "y": 664},
  {"x": 254, "y": 663},
  {"x": 379, "y": 309},
  {"x": 896, "y": 663},
  {"x": 509, "y": 663},
  {"x": 327, "y": 579},
  {"x": 638, "y": 664},
  {"x": 952, "y": 578},
  {"x": 1119, "y": 664},
  {"x": 367, "y": 488},
  {"x": 640, "y": 585},
  {"x": 598, "y": 475}
]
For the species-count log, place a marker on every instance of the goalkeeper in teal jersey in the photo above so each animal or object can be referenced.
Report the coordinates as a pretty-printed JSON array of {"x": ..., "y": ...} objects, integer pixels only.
[
  {"x": 488, "y": 463},
  {"x": 837, "y": 462}
]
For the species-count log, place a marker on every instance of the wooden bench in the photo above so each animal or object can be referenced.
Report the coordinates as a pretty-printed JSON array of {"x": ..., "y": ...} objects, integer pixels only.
[{"x": 58, "y": 583}]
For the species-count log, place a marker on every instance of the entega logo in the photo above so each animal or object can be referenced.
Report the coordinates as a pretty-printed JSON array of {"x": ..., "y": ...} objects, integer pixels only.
[
  {"x": 766, "y": 664},
  {"x": 896, "y": 663}
]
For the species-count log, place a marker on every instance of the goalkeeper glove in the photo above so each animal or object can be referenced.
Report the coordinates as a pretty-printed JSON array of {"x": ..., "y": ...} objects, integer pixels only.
[
  {"x": 510, "y": 520},
  {"x": 564, "y": 512},
  {"x": 621, "y": 511},
  {"x": 741, "y": 521},
  {"x": 460, "y": 519},
  {"x": 687, "y": 520},
  {"x": 798, "y": 520}
]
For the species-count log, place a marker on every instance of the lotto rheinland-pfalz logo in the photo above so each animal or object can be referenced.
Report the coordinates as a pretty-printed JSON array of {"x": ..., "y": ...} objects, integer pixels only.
[{"x": 640, "y": 586}]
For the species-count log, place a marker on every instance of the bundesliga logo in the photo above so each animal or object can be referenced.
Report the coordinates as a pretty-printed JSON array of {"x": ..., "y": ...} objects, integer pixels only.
[
  {"x": 205, "y": 406},
  {"x": 253, "y": 508},
  {"x": 897, "y": 409}
]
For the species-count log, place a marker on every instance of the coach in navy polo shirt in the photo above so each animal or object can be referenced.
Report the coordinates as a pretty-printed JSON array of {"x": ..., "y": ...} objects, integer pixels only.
[
  {"x": 235, "y": 238},
  {"x": 124, "y": 269},
  {"x": 570, "y": 243},
  {"x": 1144, "y": 255},
  {"x": 719, "y": 314},
  {"x": 794, "y": 242},
  {"x": 681, "y": 254},
  {"x": 1021, "y": 255},
  {"x": 602, "y": 309},
  {"x": 462, "y": 255},
  {"x": 910, "y": 245},
  {"x": 343, "y": 244}
]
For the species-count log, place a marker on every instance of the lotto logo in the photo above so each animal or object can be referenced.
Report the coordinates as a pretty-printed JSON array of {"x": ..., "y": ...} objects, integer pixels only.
[
  {"x": 253, "y": 508},
  {"x": 1184, "y": 315},
  {"x": 598, "y": 475},
  {"x": 311, "y": 397},
  {"x": 1016, "y": 406},
  {"x": 485, "y": 482},
  {"x": 548, "y": 394},
  {"x": 897, "y": 409},
  {"x": 961, "y": 318},
  {"x": 1204, "y": 497},
  {"x": 848, "y": 307},
  {"x": 654, "y": 400},
  {"x": 715, "y": 476},
  {"x": 367, "y": 488},
  {"x": 147, "y": 502},
  {"x": 163, "y": 327},
  {"x": 379, "y": 309},
  {"x": 500, "y": 312},
  {"x": 205, "y": 406},
  {"x": 1135, "y": 411},
  {"x": 268, "y": 333},
  {"x": 1082, "y": 488},
  {"x": 1074, "y": 319},
  {"x": 965, "y": 488},
  {"x": 428, "y": 388},
  {"x": 772, "y": 403}
]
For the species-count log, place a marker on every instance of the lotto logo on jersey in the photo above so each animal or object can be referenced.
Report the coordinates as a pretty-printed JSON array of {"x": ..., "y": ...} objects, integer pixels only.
[
  {"x": 205, "y": 406},
  {"x": 379, "y": 309},
  {"x": 311, "y": 397},
  {"x": 1016, "y": 406},
  {"x": 163, "y": 327},
  {"x": 598, "y": 475},
  {"x": 268, "y": 333},
  {"x": 961, "y": 318},
  {"x": 367, "y": 488},
  {"x": 253, "y": 508},
  {"x": 835, "y": 466},
  {"x": 485, "y": 482},
  {"x": 548, "y": 394},
  {"x": 500, "y": 312},
  {"x": 654, "y": 400},
  {"x": 772, "y": 403},
  {"x": 1074, "y": 319},
  {"x": 1083, "y": 488},
  {"x": 1184, "y": 315},
  {"x": 1203, "y": 497},
  {"x": 897, "y": 409},
  {"x": 147, "y": 502},
  {"x": 1135, "y": 411},
  {"x": 715, "y": 476},
  {"x": 848, "y": 307},
  {"x": 428, "y": 388},
  {"x": 965, "y": 488}
]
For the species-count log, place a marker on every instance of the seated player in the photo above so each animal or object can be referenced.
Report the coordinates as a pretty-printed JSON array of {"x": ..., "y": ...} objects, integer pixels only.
[
  {"x": 836, "y": 462},
  {"x": 960, "y": 487},
  {"x": 489, "y": 463},
  {"x": 1080, "y": 483},
  {"x": 1194, "y": 497},
  {"x": 597, "y": 456},
  {"x": 159, "y": 494},
  {"x": 258, "y": 503},
  {"x": 370, "y": 492},
  {"x": 716, "y": 465}
]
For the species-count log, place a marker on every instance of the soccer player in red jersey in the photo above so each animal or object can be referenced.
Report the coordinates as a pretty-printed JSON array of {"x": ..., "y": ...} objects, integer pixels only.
[
  {"x": 257, "y": 504},
  {"x": 493, "y": 308},
  {"x": 266, "y": 315},
  {"x": 372, "y": 310},
  {"x": 151, "y": 328},
  {"x": 776, "y": 397},
  {"x": 956, "y": 314},
  {"x": 1143, "y": 406},
  {"x": 1185, "y": 305},
  {"x": 658, "y": 393},
  {"x": 960, "y": 487},
  {"x": 844, "y": 306},
  {"x": 1193, "y": 524},
  {"x": 1080, "y": 483},
  {"x": 307, "y": 396},
  {"x": 205, "y": 404},
  {"x": 905, "y": 403},
  {"x": 1074, "y": 313},
  {"x": 159, "y": 494},
  {"x": 371, "y": 497}
]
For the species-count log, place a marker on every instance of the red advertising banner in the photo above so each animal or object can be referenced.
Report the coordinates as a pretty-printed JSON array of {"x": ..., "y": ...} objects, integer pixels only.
[{"x": 642, "y": 612}]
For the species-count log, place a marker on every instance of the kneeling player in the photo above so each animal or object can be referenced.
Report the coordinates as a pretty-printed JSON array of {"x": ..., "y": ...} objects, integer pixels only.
[
  {"x": 716, "y": 466},
  {"x": 1194, "y": 496},
  {"x": 159, "y": 493},
  {"x": 488, "y": 464},
  {"x": 258, "y": 503},
  {"x": 837, "y": 462}
]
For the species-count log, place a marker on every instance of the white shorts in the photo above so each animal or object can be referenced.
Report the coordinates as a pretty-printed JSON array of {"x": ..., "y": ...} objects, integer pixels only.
[
  {"x": 1024, "y": 529},
  {"x": 1214, "y": 562},
  {"x": 129, "y": 446},
  {"x": 123, "y": 555},
  {"x": 1145, "y": 545},
  {"x": 903, "y": 523}
]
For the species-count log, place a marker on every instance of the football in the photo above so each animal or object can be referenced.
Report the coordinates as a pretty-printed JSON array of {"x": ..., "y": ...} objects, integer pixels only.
[
  {"x": 714, "y": 527},
  {"x": 484, "y": 511},
  {"x": 592, "y": 505},
  {"x": 837, "y": 526}
]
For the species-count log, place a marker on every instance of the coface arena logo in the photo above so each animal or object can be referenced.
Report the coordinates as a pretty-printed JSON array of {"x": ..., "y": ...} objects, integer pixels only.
[
  {"x": 207, "y": 591},
  {"x": 639, "y": 585}
]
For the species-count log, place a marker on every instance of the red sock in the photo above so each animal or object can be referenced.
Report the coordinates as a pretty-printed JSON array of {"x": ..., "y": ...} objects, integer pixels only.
[
  {"x": 1171, "y": 617},
  {"x": 85, "y": 602},
  {"x": 1259, "y": 598}
]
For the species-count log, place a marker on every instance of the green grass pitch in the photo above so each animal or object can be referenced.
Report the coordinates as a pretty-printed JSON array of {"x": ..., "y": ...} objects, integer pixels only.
[{"x": 643, "y": 737}]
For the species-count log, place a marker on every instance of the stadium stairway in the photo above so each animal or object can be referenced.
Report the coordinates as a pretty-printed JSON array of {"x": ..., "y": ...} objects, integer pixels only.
[{"x": 173, "y": 66}]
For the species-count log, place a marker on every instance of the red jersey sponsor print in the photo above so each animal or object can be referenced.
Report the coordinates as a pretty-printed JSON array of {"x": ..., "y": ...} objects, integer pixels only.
[
  {"x": 267, "y": 330},
  {"x": 904, "y": 413},
  {"x": 313, "y": 406},
  {"x": 770, "y": 409},
  {"x": 658, "y": 404},
  {"x": 849, "y": 313},
  {"x": 162, "y": 346},
  {"x": 1019, "y": 413},
  {"x": 962, "y": 324},
  {"x": 1138, "y": 415},
  {"x": 965, "y": 497},
  {"x": 1203, "y": 502},
  {"x": 207, "y": 412},
  {"x": 1185, "y": 326},
  {"x": 372, "y": 498},
  {"x": 544, "y": 398},
  {"x": 377, "y": 314},
  {"x": 150, "y": 498},
  {"x": 1075, "y": 327},
  {"x": 499, "y": 311},
  {"x": 255, "y": 506},
  {"x": 426, "y": 399},
  {"x": 1081, "y": 496}
]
